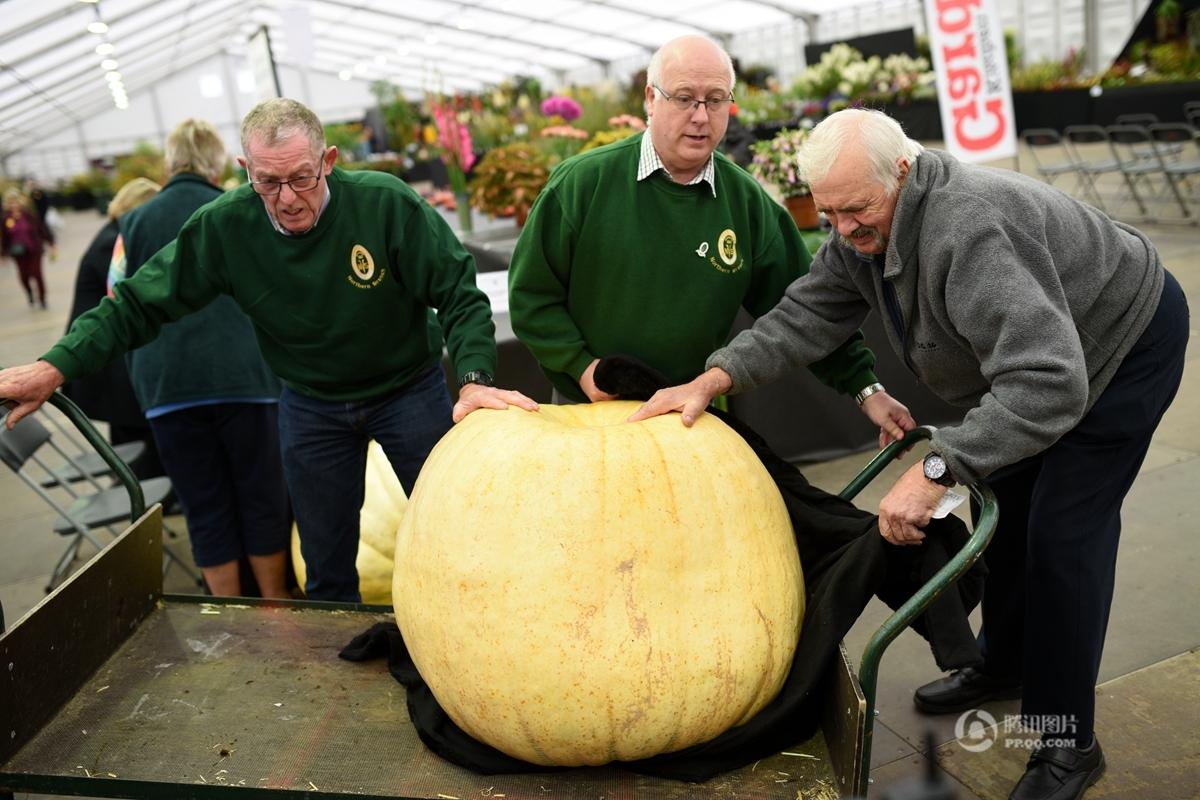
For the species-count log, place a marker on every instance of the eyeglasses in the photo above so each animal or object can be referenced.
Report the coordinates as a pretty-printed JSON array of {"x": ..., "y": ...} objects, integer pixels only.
[
  {"x": 305, "y": 183},
  {"x": 685, "y": 102}
]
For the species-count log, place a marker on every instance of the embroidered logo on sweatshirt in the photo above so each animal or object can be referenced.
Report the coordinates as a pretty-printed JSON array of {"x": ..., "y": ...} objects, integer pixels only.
[
  {"x": 725, "y": 257},
  {"x": 362, "y": 269}
]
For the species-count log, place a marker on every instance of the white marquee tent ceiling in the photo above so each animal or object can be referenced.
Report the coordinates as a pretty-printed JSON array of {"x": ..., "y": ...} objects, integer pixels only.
[{"x": 51, "y": 75}]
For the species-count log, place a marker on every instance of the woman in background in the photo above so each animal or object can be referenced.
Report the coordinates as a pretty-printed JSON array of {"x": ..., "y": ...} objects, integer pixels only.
[
  {"x": 108, "y": 396},
  {"x": 22, "y": 235}
]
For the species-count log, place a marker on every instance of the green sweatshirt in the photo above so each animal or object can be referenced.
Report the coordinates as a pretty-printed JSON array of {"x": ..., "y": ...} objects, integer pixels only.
[
  {"x": 610, "y": 265},
  {"x": 342, "y": 312}
]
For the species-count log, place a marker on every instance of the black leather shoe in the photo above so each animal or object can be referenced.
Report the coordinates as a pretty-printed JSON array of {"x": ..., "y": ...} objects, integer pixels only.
[
  {"x": 962, "y": 690},
  {"x": 1060, "y": 773}
]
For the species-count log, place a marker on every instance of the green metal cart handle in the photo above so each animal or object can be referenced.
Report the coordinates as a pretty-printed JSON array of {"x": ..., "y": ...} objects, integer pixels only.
[
  {"x": 985, "y": 526},
  {"x": 137, "y": 500}
]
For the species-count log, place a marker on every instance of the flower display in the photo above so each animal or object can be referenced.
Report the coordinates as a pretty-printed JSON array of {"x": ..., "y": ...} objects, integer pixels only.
[
  {"x": 508, "y": 179},
  {"x": 454, "y": 142},
  {"x": 564, "y": 131},
  {"x": 774, "y": 162},
  {"x": 627, "y": 121},
  {"x": 562, "y": 141},
  {"x": 561, "y": 106}
]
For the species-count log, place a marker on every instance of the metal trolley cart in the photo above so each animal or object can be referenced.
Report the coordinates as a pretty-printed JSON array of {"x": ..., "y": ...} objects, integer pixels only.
[{"x": 110, "y": 687}]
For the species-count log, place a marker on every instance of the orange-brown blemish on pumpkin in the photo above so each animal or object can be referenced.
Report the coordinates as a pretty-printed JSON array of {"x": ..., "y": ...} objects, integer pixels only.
[{"x": 637, "y": 619}]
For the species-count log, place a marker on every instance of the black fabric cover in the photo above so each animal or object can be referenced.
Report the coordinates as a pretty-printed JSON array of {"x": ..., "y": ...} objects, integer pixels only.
[{"x": 845, "y": 562}]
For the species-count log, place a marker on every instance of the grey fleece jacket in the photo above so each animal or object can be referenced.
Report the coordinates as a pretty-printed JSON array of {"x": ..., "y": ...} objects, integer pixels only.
[{"x": 1011, "y": 298}]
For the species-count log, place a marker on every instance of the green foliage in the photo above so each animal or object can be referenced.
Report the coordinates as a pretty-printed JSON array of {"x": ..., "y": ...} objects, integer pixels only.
[
  {"x": 1168, "y": 9},
  {"x": 1047, "y": 75},
  {"x": 755, "y": 76},
  {"x": 401, "y": 116},
  {"x": 1011, "y": 51},
  {"x": 343, "y": 136},
  {"x": 389, "y": 165},
  {"x": 755, "y": 106},
  {"x": 82, "y": 190},
  {"x": 146, "y": 161}
]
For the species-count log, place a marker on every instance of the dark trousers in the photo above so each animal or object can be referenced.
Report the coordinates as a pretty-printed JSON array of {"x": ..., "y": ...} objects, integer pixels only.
[
  {"x": 325, "y": 460},
  {"x": 29, "y": 271},
  {"x": 224, "y": 464},
  {"x": 1053, "y": 559}
]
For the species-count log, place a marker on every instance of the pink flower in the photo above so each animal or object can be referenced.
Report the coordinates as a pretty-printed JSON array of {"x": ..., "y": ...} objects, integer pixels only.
[
  {"x": 565, "y": 131},
  {"x": 454, "y": 137},
  {"x": 560, "y": 106},
  {"x": 627, "y": 121}
]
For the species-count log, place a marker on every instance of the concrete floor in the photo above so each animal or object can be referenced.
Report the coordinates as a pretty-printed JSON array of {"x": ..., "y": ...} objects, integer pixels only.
[{"x": 1153, "y": 617}]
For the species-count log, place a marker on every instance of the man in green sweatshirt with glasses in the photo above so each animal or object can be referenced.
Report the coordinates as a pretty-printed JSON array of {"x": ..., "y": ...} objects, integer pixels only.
[
  {"x": 352, "y": 283},
  {"x": 649, "y": 247}
]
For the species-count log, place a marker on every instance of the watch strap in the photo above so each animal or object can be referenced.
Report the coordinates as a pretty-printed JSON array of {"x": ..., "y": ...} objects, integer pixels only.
[{"x": 477, "y": 376}]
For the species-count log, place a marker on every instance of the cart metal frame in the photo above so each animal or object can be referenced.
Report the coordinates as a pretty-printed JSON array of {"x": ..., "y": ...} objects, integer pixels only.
[{"x": 109, "y": 687}]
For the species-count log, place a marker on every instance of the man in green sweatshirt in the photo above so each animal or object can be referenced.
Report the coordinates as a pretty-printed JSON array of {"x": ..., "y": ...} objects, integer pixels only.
[
  {"x": 650, "y": 246},
  {"x": 339, "y": 273}
]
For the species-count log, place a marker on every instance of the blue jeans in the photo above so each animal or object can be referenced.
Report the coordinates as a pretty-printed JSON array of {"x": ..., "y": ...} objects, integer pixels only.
[{"x": 324, "y": 445}]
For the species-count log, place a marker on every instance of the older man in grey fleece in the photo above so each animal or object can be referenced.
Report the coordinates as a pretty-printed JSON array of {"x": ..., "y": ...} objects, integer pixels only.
[{"x": 1061, "y": 332}]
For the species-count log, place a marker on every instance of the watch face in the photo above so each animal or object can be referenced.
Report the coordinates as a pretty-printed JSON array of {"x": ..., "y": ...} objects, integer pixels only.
[{"x": 935, "y": 467}]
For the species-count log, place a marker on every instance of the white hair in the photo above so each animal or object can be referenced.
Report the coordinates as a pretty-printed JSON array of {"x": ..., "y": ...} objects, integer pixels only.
[
  {"x": 881, "y": 136},
  {"x": 671, "y": 49}
]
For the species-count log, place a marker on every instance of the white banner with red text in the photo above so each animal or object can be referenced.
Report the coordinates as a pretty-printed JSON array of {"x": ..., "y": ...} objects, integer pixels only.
[{"x": 967, "y": 44}]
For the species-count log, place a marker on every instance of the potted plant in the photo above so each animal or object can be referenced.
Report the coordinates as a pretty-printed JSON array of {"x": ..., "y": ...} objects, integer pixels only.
[
  {"x": 507, "y": 180},
  {"x": 774, "y": 162}
]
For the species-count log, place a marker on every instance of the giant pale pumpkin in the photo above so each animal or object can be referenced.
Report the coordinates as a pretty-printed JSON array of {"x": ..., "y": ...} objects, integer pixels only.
[
  {"x": 576, "y": 589},
  {"x": 383, "y": 506}
]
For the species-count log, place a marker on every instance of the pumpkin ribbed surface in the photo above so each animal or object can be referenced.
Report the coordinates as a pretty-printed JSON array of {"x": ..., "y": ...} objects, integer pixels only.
[{"x": 576, "y": 589}]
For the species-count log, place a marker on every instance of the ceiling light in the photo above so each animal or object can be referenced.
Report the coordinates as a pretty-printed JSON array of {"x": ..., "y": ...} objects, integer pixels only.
[
  {"x": 112, "y": 77},
  {"x": 121, "y": 104},
  {"x": 109, "y": 64},
  {"x": 104, "y": 49},
  {"x": 97, "y": 27},
  {"x": 345, "y": 75}
]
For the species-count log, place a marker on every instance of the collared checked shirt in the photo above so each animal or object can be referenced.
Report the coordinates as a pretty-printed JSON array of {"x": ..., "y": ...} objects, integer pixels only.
[{"x": 649, "y": 163}]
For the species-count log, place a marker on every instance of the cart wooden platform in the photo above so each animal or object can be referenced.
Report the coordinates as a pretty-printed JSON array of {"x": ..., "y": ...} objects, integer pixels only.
[{"x": 111, "y": 688}]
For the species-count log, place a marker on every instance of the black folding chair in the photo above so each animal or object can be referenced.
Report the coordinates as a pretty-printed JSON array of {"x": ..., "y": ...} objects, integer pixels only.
[
  {"x": 1180, "y": 172},
  {"x": 1191, "y": 112},
  {"x": 1135, "y": 152},
  {"x": 1054, "y": 161},
  {"x": 1097, "y": 161},
  {"x": 87, "y": 507}
]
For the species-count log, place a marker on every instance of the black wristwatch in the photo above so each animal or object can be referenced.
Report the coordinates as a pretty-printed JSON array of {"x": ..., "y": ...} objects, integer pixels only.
[
  {"x": 936, "y": 470},
  {"x": 476, "y": 376}
]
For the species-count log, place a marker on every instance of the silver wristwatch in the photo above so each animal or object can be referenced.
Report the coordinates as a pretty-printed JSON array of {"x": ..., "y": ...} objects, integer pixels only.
[{"x": 867, "y": 391}]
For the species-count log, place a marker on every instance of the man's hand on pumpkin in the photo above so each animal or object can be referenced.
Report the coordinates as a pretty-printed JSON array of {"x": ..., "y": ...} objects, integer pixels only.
[
  {"x": 892, "y": 417},
  {"x": 473, "y": 396},
  {"x": 587, "y": 382},
  {"x": 689, "y": 400},
  {"x": 908, "y": 506}
]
